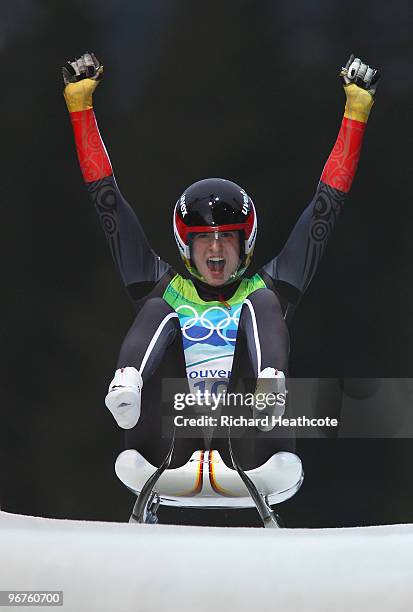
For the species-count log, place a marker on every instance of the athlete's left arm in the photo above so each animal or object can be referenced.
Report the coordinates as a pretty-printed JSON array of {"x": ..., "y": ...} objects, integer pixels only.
[{"x": 297, "y": 263}]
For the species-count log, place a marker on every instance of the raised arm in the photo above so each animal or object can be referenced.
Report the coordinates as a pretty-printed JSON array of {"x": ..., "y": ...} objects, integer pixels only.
[
  {"x": 140, "y": 268},
  {"x": 298, "y": 261}
]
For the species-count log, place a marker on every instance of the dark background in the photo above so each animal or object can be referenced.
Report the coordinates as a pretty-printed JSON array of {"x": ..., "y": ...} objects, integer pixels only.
[{"x": 244, "y": 90}]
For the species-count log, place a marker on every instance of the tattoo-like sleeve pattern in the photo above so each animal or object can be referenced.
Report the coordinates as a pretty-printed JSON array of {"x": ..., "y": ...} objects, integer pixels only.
[
  {"x": 93, "y": 158},
  {"x": 134, "y": 258},
  {"x": 342, "y": 163},
  {"x": 298, "y": 261}
]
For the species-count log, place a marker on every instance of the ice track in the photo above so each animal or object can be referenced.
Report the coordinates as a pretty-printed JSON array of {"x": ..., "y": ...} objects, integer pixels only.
[{"x": 144, "y": 568}]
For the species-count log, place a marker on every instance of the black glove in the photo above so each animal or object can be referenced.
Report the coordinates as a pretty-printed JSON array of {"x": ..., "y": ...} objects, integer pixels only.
[
  {"x": 355, "y": 71},
  {"x": 86, "y": 67}
]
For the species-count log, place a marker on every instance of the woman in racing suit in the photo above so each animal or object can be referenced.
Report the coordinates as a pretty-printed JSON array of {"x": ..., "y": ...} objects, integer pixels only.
[{"x": 216, "y": 322}]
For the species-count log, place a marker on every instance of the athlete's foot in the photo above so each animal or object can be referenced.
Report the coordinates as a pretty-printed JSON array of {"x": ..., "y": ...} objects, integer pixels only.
[
  {"x": 124, "y": 397},
  {"x": 270, "y": 398}
]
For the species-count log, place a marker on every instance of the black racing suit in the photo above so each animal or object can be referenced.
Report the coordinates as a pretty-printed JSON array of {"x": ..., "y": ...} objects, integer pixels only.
[{"x": 281, "y": 283}]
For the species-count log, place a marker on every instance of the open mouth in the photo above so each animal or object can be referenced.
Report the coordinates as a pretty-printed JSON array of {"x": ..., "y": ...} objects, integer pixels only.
[{"x": 216, "y": 264}]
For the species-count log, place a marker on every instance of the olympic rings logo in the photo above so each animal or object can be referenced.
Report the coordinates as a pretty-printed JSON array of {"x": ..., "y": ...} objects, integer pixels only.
[{"x": 202, "y": 321}]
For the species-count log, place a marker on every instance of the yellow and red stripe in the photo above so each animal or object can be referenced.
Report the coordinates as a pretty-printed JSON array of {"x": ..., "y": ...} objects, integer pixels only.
[
  {"x": 212, "y": 478},
  {"x": 199, "y": 478}
]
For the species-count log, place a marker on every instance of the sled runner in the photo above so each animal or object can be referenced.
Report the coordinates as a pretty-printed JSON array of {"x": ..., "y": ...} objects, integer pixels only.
[{"x": 206, "y": 482}]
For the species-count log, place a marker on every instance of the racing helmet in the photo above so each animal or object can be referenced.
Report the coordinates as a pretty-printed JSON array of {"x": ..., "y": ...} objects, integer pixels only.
[{"x": 215, "y": 205}]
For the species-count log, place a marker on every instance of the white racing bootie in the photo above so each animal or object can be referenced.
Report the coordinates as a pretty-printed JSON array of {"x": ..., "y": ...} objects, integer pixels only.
[
  {"x": 270, "y": 398},
  {"x": 124, "y": 397}
]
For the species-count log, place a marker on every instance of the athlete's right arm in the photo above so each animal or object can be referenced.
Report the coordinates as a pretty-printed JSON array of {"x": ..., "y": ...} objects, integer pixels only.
[{"x": 138, "y": 265}]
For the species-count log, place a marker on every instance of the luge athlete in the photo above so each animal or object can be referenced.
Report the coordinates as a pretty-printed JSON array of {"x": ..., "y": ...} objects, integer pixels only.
[{"x": 216, "y": 322}]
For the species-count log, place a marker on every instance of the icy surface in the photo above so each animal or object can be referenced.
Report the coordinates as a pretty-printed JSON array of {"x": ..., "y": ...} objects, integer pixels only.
[{"x": 119, "y": 567}]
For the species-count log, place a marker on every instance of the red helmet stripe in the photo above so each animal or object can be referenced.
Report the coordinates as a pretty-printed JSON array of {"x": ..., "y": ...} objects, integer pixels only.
[
  {"x": 184, "y": 230},
  {"x": 249, "y": 224}
]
